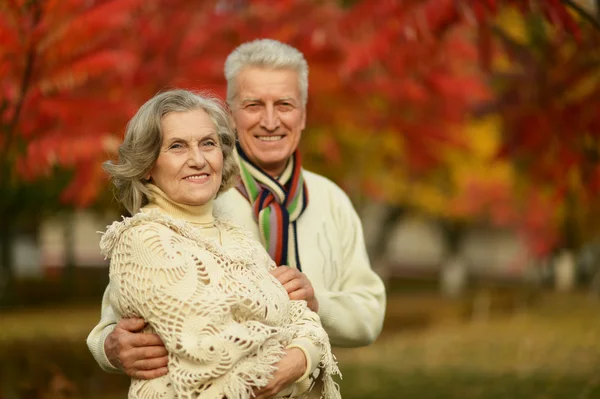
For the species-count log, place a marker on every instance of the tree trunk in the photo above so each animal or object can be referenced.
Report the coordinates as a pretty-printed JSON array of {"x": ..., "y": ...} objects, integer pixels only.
[
  {"x": 454, "y": 270},
  {"x": 379, "y": 226},
  {"x": 69, "y": 248},
  {"x": 6, "y": 257}
]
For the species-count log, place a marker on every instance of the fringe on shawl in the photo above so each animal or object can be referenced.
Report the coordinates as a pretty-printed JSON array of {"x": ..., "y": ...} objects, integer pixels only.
[
  {"x": 242, "y": 385},
  {"x": 328, "y": 364}
]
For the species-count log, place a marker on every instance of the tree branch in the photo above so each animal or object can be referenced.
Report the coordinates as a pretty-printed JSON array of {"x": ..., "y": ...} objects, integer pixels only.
[
  {"x": 36, "y": 10},
  {"x": 594, "y": 20}
]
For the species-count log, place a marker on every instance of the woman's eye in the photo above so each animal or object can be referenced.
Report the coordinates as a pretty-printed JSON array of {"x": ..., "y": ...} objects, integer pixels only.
[
  {"x": 210, "y": 143},
  {"x": 175, "y": 146}
]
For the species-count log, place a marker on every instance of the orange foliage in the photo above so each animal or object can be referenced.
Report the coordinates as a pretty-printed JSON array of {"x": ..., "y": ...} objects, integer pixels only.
[
  {"x": 56, "y": 58},
  {"x": 74, "y": 71}
]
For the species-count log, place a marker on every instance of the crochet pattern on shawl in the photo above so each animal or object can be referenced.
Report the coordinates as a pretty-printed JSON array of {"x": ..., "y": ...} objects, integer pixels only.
[{"x": 224, "y": 319}]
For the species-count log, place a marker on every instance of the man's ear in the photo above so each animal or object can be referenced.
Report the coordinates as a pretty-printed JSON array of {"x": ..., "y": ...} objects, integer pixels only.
[
  {"x": 233, "y": 124},
  {"x": 303, "y": 121}
]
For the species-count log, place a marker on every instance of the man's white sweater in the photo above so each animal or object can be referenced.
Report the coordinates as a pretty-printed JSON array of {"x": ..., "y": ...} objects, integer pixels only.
[
  {"x": 332, "y": 255},
  {"x": 334, "y": 258}
]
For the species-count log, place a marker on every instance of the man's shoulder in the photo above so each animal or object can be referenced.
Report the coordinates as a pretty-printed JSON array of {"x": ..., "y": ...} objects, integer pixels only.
[
  {"x": 315, "y": 177},
  {"x": 231, "y": 195},
  {"x": 319, "y": 184},
  {"x": 228, "y": 203}
]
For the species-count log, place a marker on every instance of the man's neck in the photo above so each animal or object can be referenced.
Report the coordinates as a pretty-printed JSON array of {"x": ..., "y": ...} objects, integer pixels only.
[{"x": 275, "y": 172}]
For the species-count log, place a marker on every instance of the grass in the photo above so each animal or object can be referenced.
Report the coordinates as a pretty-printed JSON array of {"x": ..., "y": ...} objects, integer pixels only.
[
  {"x": 549, "y": 351},
  {"x": 429, "y": 349}
]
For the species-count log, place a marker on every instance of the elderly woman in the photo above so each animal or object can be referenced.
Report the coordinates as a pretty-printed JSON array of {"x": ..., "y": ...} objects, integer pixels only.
[{"x": 199, "y": 281}]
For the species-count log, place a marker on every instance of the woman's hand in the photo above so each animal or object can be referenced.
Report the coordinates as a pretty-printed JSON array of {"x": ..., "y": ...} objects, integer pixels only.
[
  {"x": 291, "y": 367},
  {"x": 297, "y": 285},
  {"x": 137, "y": 354}
]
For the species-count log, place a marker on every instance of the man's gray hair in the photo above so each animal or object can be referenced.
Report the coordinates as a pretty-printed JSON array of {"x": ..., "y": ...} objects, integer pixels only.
[
  {"x": 143, "y": 138},
  {"x": 265, "y": 53}
]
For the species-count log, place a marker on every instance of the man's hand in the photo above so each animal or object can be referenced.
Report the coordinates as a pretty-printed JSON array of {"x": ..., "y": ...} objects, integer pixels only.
[
  {"x": 137, "y": 354},
  {"x": 297, "y": 285},
  {"x": 291, "y": 367}
]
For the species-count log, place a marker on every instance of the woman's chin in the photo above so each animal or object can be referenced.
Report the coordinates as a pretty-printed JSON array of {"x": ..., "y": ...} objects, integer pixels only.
[{"x": 196, "y": 201}]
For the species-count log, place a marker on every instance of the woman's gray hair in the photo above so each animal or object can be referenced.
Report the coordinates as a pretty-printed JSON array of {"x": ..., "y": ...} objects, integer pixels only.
[
  {"x": 265, "y": 53},
  {"x": 143, "y": 138}
]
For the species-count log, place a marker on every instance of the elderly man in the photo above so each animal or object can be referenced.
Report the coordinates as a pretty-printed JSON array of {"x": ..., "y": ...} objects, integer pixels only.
[{"x": 306, "y": 222}]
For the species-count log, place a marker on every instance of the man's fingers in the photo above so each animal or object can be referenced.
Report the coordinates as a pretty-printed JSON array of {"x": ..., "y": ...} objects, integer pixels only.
[
  {"x": 150, "y": 374},
  {"x": 284, "y": 274},
  {"x": 298, "y": 295},
  {"x": 293, "y": 285},
  {"x": 278, "y": 271},
  {"x": 148, "y": 352},
  {"x": 146, "y": 339},
  {"x": 152, "y": 364},
  {"x": 132, "y": 325}
]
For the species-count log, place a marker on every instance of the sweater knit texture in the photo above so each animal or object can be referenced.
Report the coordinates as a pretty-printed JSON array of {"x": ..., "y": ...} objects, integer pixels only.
[{"x": 224, "y": 319}]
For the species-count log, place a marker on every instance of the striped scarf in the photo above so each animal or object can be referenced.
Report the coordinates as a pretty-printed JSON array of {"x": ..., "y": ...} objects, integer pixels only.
[{"x": 277, "y": 204}]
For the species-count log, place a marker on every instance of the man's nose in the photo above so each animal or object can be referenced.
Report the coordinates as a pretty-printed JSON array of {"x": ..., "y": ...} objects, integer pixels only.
[{"x": 270, "y": 119}]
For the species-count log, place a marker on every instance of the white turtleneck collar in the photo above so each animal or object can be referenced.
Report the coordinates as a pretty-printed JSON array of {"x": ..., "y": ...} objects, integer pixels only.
[{"x": 196, "y": 214}]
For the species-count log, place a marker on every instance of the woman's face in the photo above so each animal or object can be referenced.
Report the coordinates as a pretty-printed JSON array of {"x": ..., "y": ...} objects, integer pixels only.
[{"x": 190, "y": 162}]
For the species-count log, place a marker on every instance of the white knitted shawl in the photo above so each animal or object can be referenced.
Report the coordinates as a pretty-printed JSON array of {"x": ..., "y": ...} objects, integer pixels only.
[{"x": 223, "y": 318}]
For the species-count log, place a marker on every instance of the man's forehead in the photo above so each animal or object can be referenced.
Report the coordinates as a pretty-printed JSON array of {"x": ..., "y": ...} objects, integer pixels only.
[{"x": 253, "y": 77}]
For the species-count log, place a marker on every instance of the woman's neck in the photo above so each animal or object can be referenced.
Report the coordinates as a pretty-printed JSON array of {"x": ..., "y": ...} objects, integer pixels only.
[{"x": 197, "y": 214}]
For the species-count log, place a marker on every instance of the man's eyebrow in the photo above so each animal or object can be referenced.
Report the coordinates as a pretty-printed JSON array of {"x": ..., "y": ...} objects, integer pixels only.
[
  {"x": 250, "y": 99},
  {"x": 258, "y": 100}
]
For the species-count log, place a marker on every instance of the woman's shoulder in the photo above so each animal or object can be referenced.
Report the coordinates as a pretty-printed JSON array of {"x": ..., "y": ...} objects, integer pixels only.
[{"x": 141, "y": 225}]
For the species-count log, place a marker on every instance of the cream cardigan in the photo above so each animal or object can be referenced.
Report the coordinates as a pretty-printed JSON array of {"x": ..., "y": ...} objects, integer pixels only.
[{"x": 223, "y": 318}]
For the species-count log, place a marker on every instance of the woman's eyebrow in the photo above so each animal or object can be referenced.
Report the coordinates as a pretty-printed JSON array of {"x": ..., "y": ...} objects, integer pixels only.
[
  {"x": 174, "y": 139},
  {"x": 212, "y": 134}
]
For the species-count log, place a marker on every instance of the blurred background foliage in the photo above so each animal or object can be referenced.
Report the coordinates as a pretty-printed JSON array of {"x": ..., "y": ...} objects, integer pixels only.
[
  {"x": 469, "y": 110},
  {"x": 467, "y": 113}
]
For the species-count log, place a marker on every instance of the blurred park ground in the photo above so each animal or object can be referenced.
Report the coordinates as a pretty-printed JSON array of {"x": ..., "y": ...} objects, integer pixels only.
[
  {"x": 467, "y": 134},
  {"x": 430, "y": 348}
]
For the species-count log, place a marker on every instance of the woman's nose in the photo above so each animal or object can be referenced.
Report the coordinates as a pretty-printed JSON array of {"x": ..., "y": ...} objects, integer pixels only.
[{"x": 196, "y": 157}]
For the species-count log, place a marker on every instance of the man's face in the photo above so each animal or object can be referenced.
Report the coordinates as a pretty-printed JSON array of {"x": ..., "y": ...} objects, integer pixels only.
[{"x": 269, "y": 116}]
